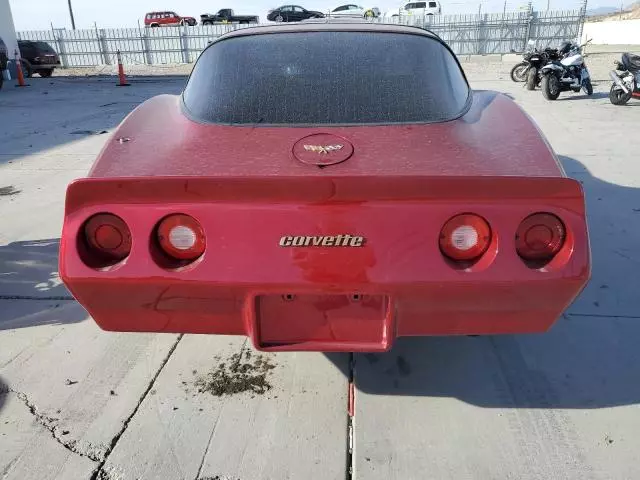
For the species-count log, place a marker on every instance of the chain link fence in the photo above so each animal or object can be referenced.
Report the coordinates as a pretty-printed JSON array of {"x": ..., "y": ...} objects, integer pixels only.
[{"x": 478, "y": 34}]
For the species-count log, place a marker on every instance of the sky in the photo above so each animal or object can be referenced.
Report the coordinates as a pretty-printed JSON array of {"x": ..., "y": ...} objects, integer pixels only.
[{"x": 40, "y": 14}]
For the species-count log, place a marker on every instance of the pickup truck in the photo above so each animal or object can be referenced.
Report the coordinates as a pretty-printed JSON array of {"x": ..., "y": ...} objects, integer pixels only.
[{"x": 226, "y": 15}]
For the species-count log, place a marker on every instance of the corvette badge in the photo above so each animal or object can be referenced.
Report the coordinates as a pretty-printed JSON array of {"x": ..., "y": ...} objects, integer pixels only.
[
  {"x": 343, "y": 240},
  {"x": 323, "y": 148}
]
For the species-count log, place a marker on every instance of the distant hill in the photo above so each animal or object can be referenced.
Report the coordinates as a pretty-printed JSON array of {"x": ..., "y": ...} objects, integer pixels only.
[
  {"x": 601, "y": 11},
  {"x": 611, "y": 13}
]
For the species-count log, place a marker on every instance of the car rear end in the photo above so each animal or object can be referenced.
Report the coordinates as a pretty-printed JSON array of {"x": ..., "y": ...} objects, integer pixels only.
[
  {"x": 44, "y": 58},
  {"x": 324, "y": 220}
]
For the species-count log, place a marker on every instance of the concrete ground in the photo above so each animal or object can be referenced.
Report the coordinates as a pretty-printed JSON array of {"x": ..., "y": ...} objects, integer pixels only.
[{"x": 80, "y": 403}]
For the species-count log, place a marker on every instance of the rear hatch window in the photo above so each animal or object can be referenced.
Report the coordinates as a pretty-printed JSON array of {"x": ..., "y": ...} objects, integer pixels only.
[
  {"x": 337, "y": 78},
  {"x": 44, "y": 47}
]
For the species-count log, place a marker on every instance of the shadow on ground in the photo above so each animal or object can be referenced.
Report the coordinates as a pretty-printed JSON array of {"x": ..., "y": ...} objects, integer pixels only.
[
  {"x": 30, "y": 268},
  {"x": 587, "y": 360},
  {"x": 4, "y": 390},
  {"x": 34, "y": 313},
  {"x": 583, "y": 96},
  {"x": 31, "y": 292},
  {"x": 69, "y": 108}
]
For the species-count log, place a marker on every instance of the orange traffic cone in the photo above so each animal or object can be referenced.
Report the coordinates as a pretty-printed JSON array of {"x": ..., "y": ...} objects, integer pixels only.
[
  {"x": 19, "y": 70},
  {"x": 121, "y": 76}
]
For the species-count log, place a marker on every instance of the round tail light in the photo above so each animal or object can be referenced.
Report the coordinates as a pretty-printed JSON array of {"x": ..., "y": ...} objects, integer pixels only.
[
  {"x": 540, "y": 237},
  {"x": 181, "y": 237},
  {"x": 465, "y": 237},
  {"x": 108, "y": 239}
]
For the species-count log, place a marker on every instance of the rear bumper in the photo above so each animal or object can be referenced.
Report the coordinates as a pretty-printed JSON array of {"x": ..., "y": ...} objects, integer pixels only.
[
  {"x": 290, "y": 318},
  {"x": 302, "y": 298},
  {"x": 44, "y": 65}
]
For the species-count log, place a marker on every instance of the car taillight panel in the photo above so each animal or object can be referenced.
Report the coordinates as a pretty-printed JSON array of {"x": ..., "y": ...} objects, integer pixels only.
[
  {"x": 181, "y": 237},
  {"x": 465, "y": 237},
  {"x": 540, "y": 237},
  {"x": 107, "y": 240}
]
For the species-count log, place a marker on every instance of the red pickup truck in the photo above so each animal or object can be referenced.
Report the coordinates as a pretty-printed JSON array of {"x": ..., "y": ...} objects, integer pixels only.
[{"x": 167, "y": 19}]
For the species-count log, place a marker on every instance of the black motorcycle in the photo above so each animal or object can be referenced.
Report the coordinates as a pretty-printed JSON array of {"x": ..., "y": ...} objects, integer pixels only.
[
  {"x": 626, "y": 79},
  {"x": 519, "y": 71},
  {"x": 538, "y": 60},
  {"x": 533, "y": 60}
]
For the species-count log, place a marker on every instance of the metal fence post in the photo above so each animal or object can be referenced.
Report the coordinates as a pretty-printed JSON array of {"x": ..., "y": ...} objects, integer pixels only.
[
  {"x": 147, "y": 49},
  {"x": 530, "y": 18},
  {"x": 184, "y": 44},
  {"x": 481, "y": 34},
  {"x": 104, "y": 47},
  {"x": 582, "y": 17},
  {"x": 99, "y": 43},
  {"x": 62, "y": 49},
  {"x": 144, "y": 52}
]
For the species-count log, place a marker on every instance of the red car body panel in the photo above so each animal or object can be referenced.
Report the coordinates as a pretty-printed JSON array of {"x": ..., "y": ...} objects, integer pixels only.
[
  {"x": 398, "y": 188},
  {"x": 494, "y": 138}
]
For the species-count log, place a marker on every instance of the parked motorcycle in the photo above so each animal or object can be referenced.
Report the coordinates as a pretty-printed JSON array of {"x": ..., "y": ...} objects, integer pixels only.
[
  {"x": 568, "y": 73},
  {"x": 528, "y": 70},
  {"x": 519, "y": 71},
  {"x": 626, "y": 84},
  {"x": 537, "y": 60}
]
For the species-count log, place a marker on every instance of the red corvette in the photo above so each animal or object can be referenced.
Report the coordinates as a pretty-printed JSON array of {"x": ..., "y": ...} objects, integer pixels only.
[{"x": 317, "y": 197}]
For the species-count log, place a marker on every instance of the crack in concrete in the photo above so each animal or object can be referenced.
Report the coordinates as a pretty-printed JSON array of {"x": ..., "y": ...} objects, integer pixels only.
[
  {"x": 100, "y": 473},
  {"x": 349, "y": 470},
  {"x": 104, "y": 475},
  {"x": 213, "y": 430},
  {"x": 603, "y": 315},
  {"x": 218, "y": 477},
  {"x": 33, "y": 297},
  {"x": 7, "y": 468},
  {"x": 50, "y": 424}
]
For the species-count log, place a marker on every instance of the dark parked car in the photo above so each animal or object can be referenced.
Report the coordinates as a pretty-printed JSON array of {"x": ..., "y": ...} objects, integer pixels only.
[
  {"x": 37, "y": 57},
  {"x": 4, "y": 58},
  {"x": 292, "y": 13},
  {"x": 226, "y": 15}
]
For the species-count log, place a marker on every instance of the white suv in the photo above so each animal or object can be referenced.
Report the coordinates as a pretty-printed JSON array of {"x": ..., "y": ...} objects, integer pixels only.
[{"x": 417, "y": 9}]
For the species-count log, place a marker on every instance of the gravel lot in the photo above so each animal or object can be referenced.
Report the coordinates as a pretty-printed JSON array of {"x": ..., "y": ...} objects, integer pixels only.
[{"x": 80, "y": 403}]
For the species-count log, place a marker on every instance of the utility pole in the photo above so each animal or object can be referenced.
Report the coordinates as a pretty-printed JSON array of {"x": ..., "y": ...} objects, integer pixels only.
[{"x": 73, "y": 23}]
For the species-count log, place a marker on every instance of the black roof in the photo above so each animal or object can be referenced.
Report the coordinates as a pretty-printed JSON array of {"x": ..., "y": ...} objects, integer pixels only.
[{"x": 328, "y": 25}]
